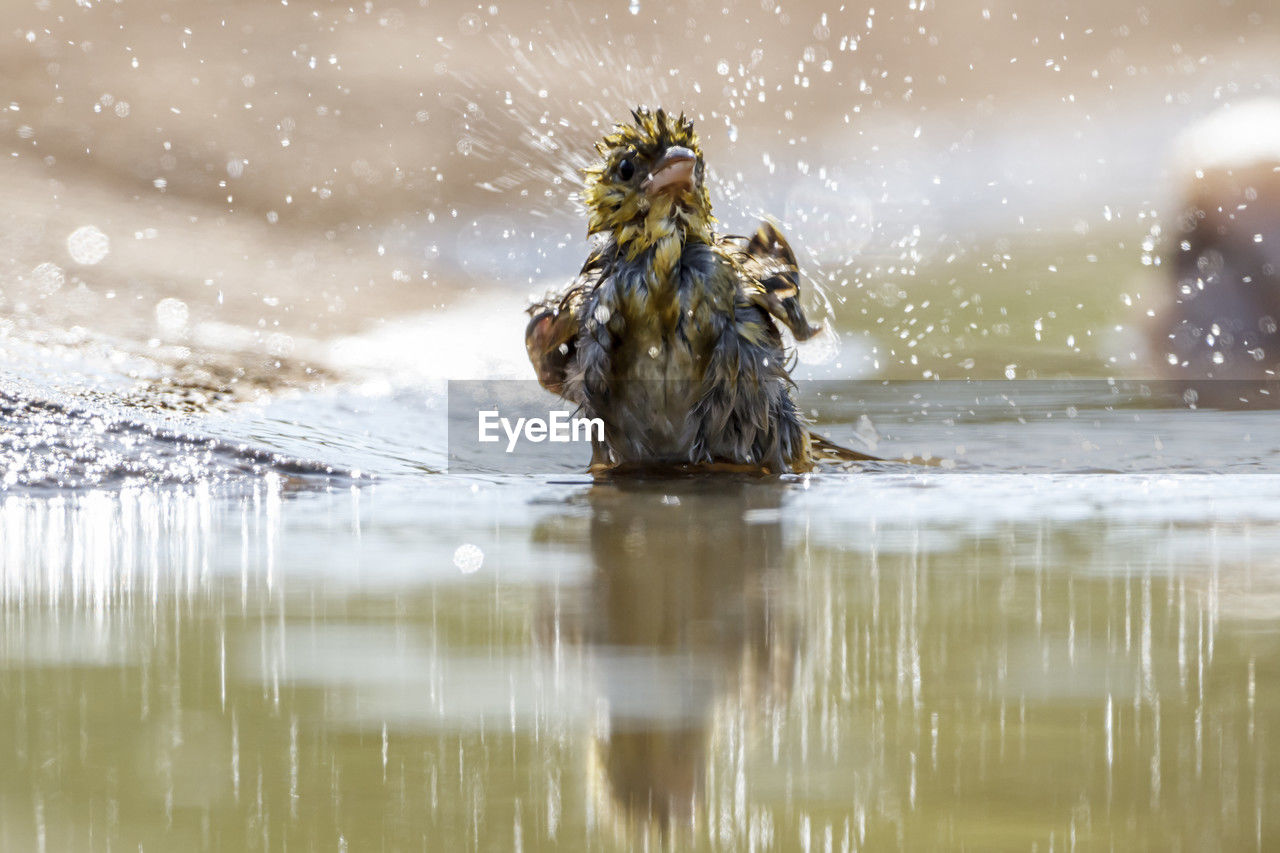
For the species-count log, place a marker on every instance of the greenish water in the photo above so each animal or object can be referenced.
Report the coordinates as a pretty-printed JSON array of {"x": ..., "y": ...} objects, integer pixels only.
[{"x": 913, "y": 659}]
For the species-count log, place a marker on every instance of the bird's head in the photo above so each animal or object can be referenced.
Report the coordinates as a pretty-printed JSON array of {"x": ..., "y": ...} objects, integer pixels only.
[{"x": 650, "y": 183}]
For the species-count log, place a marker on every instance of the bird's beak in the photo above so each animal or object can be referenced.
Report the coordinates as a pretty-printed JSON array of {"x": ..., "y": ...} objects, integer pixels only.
[{"x": 673, "y": 172}]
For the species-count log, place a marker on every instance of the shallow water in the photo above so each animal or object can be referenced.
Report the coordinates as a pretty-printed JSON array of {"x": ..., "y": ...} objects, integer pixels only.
[
  {"x": 252, "y": 597},
  {"x": 992, "y": 654}
]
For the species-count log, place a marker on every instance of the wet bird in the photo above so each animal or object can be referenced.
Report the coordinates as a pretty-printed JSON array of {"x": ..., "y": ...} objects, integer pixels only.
[{"x": 670, "y": 332}]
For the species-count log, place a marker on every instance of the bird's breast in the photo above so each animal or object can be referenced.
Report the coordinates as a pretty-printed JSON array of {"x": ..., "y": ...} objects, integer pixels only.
[
  {"x": 671, "y": 320},
  {"x": 660, "y": 354}
]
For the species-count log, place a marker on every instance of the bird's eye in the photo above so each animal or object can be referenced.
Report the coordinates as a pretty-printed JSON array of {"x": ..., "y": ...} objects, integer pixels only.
[{"x": 626, "y": 170}]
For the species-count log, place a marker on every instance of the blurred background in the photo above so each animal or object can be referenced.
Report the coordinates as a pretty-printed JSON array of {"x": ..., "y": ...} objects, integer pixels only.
[
  {"x": 242, "y": 243},
  {"x": 271, "y": 178}
]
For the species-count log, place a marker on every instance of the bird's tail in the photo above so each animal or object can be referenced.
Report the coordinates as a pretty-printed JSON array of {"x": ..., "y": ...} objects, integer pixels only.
[{"x": 826, "y": 450}]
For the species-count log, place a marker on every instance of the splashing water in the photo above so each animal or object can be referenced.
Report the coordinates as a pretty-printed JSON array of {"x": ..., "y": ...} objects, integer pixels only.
[{"x": 88, "y": 245}]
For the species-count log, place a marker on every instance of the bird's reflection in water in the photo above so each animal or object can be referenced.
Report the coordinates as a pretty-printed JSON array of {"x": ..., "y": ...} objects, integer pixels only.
[{"x": 686, "y": 621}]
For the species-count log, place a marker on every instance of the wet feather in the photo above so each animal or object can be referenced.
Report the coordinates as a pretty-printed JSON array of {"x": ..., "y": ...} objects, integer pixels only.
[{"x": 670, "y": 332}]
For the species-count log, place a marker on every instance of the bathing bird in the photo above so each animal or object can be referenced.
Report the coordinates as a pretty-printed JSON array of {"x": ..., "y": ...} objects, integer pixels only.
[{"x": 670, "y": 333}]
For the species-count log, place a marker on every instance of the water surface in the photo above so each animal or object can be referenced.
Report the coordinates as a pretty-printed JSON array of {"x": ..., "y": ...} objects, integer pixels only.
[{"x": 249, "y": 602}]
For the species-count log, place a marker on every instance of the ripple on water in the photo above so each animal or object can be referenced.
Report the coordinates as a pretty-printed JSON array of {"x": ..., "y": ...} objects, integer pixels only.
[{"x": 47, "y": 445}]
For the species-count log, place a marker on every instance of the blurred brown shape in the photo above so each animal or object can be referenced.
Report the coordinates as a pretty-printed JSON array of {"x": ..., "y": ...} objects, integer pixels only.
[{"x": 1222, "y": 263}]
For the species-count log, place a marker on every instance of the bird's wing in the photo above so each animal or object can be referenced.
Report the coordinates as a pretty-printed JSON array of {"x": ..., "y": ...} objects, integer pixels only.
[
  {"x": 551, "y": 336},
  {"x": 771, "y": 276}
]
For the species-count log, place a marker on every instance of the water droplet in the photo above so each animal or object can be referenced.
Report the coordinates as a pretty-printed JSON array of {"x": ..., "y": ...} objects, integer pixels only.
[
  {"x": 88, "y": 245},
  {"x": 468, "y": 558},
  {"x": 48, "y": 278},
  {"x": 866, "y": 431},
  {"x": 171, "y": 315}
]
